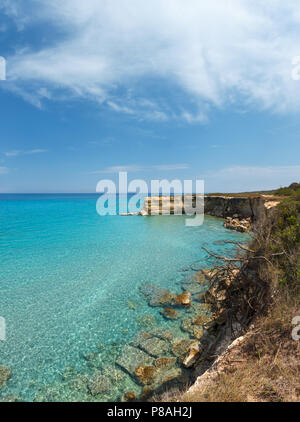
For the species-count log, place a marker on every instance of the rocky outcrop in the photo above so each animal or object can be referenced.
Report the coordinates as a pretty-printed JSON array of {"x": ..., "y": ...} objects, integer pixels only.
[
  {"x": 239, "y": 207},
  {"x": 243, "y": 226}
]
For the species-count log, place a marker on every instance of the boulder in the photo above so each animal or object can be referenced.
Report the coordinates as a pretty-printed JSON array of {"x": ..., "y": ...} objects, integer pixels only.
[
  {"x": 192, "y": 355},
  {"x": 184, "y": 299}
]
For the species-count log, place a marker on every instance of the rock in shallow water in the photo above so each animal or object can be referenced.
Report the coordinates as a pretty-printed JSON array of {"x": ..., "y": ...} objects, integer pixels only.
[
  {"x": 98, "y": 384},
  {"x": 157, "y": 296},
  {"x": 155, "y": 346},
  {"x": 170, "y": 313},
  {"x": 5, "y": 374},
  {"x": 132, "y": 357},
  {"x": 147, "y": 320},
  {"x": 184, "y": 299}
]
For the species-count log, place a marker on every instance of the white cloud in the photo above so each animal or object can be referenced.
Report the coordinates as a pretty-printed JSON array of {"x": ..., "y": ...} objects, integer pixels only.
[
  {"x": 4, "y": 170},
  {"x": 250, "y": 178},
  {"x": 15, "y": 153},
  {"x": 137, "y": 168},
  {"x": 217, "y": 53}
]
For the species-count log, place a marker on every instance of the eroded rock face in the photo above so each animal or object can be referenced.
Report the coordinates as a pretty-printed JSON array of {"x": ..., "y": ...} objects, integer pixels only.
[
  {"x": 243, "y": 226},
  {"x": 132, "y": 357},
  {"x": 157, "y": 296},
  {"x": 98, "y": 384},
  {"x": 5, "y": 374}
]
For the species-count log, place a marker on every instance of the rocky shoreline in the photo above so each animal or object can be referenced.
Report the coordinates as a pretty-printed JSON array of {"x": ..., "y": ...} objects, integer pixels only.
[{"x": 240, "y": 213}]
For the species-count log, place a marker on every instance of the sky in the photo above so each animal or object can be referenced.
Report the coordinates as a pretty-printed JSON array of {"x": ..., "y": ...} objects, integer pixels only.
[{"x": 166, "y": 89}]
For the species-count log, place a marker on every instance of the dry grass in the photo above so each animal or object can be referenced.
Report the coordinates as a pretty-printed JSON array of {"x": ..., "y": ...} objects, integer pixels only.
[{"x": 264, "y": 368}]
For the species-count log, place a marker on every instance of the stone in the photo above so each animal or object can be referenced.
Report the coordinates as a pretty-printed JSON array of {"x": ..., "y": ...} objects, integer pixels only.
[
  {"x": 146, "y": 374},
  {"x": 180, "y": 346},
  {"x": 162, "y": 333},
  {"x": 243, "y": 226},
  {"x": 155, "y": 346},
  {"x": 165, "y": 362},
  {"x": 98, "y": 384},
  {"x": 129, "y": 396},
  {"x": 132, "y": 357},
  {"x": 157, "y": 296},
  {"x": 184, "y": 299},
  {"x": 170, "y": 313},
  {"x": 5, "y": 374},
  {"x": 192, "y": 355}
]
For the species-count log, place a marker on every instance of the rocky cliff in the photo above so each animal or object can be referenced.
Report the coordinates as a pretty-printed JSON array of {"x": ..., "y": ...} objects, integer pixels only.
[{"x": 253, "y": 207}]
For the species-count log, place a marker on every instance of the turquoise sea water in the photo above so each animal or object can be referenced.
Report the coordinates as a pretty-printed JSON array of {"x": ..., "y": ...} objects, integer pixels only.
[{"x": 69, "y": 283}]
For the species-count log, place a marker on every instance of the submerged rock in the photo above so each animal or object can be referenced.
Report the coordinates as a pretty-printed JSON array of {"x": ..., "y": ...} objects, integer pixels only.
[
  {"x": 146, "y": 374},
  {"x": 113, "y": 374},
  {"x": 193, "y": 288},
  {"x": 132, "y": 357},
  {"x": 170, "y": 313},
  {"x": 180, "y": 346},
  {"x": 157, "y": 296},
  {"x": 155, "y": 346},
  {"x": 10, "y": 398},
  {"x": 5, "y": 374},
  {"x": 162, "y": 333},
  {"x": 98, "y": 384},
  {"x": 165, "y": 362},
  {"x": 147, "y": 320}
]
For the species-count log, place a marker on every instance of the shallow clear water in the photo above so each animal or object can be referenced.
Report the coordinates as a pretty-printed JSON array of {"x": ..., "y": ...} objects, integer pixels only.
[{"x": 69, "y": 280}]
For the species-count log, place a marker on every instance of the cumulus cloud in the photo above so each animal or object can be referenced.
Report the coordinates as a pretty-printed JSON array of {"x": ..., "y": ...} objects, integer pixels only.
[{"x": 212, "y": 54}]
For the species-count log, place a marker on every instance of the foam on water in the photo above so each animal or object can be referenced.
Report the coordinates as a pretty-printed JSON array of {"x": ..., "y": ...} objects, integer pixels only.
[{"x": 69, "y": 281}]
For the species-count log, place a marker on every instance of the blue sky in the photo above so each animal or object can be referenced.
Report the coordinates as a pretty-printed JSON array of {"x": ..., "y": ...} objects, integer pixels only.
[{"x": 161, "y": 89}]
